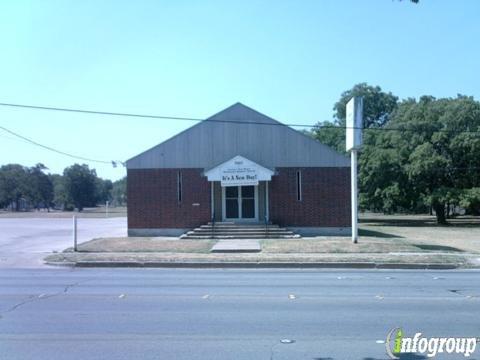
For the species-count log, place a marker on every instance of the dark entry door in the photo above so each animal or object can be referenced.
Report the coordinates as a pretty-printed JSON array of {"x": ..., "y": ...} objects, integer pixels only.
[
  {"x": 248, "y": 202},
  {"x": 240, "y": 202},
  {"x": 232, "y": 203}
]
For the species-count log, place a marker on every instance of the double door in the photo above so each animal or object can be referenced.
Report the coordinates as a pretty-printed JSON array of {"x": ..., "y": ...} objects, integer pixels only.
[{"x": 240, "y": 203}]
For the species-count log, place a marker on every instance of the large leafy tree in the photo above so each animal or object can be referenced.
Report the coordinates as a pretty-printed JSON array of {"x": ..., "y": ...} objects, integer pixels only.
[
  {"x": 378, "y": 105},
  {"x": 40, "y": 186},
  {"x": 31, "y": 184},
  {"x": 429, "y": 154},
  {"x": 60, "y": 197},
  {"x": 80, "y": 185},
  {"x": 13, "y": 184}
]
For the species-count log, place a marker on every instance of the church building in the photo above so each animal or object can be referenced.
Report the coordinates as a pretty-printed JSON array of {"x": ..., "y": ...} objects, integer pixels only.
[{"x": 239, "y": 166}]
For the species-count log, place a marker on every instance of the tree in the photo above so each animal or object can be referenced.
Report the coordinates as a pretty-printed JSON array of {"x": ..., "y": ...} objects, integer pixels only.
[
  {"x": 119, "y": 192},
  {"x": 77, "y": 188},
  {"x": 80, "y": 185},
  {"x": 40, "y": 189},
  {"x": 431, "y": 156},
  {"x": 103, "y": 190},
  {"x": 13, "y": 184},
  {"x": 378, "y": 105},
  {"x": 331, "y": 134},
  {"x": 60, "y": 196},
  {"x": 470, "y": 200}
]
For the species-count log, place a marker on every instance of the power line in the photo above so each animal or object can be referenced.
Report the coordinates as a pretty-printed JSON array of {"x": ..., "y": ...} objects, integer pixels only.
[
  {"x": 165, "y": 117},
  {"x": 149, "y": 116},
  {"x": 55, "y": 150},
  {"x": 180, "y": 118},
  {"x": 94, "y": 112},
  {"x": 115, "y": 163}
]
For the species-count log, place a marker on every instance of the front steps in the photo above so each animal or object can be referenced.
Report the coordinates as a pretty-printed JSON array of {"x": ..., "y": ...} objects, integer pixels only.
[{"x": 231, "y": 230}]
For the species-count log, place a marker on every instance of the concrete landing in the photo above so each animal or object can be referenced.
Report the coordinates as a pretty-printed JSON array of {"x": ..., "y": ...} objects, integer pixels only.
[{"x": 236, "y": 246}]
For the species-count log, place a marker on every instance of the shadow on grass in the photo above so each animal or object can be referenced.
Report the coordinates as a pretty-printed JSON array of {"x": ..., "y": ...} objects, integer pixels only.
[
  {"x": 419, "y": 221},
  {"x": 373, "y": 233},
  {"x": 398, "y": 222},
  {"x": 437, "y": 247}
]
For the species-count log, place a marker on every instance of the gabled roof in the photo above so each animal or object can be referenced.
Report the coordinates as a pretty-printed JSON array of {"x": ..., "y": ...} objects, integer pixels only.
[{"x": 239, "y": 130}]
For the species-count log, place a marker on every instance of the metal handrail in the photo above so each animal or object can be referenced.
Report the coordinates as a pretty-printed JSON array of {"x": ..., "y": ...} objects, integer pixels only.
[{"x": 266, "y": 227}]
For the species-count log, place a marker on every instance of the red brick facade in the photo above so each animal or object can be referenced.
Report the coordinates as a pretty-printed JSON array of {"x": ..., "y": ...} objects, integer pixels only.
[
  {"x": 325, "y": 200},
  {"x": 153, "y": 198}
]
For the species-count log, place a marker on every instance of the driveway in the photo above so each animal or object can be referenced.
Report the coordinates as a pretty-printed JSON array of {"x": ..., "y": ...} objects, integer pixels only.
[{"x": 24, "y": 242}]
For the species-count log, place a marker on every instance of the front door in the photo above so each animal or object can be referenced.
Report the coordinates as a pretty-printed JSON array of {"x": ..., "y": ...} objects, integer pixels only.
[{"x": 240, "y": 203}]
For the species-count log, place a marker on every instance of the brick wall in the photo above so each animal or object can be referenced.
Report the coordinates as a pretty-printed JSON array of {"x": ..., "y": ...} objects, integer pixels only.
[
  {"x": 153, "y": 201},
  {"x": 325, "y": 197}
]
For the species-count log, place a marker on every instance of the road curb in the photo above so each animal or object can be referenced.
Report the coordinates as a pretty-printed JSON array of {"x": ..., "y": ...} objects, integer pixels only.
[{"x": 297, "y": 265}]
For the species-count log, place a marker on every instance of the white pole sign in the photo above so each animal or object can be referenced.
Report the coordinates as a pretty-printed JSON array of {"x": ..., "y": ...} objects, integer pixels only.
[
  {"x": 354, "y": 126},
  {"x": 354, "y": 123}
]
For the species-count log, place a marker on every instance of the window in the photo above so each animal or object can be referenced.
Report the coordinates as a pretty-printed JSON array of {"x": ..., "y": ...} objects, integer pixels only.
[
  {"x": 179, "y": 186},
  {"x": 299, "y": 185}
]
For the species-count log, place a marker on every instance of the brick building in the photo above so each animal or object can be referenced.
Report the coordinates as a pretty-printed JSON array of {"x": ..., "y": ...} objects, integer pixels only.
[{"x": 238, "y": 166}]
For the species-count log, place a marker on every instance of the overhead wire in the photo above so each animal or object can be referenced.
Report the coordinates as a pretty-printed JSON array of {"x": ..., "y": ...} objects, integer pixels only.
[
  {"x": 181, "y": 118},
  {"x": 213, "y": 119}
]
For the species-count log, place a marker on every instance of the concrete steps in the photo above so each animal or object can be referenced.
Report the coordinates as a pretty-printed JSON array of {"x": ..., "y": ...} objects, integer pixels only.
[{"x": 229, "y": 230}]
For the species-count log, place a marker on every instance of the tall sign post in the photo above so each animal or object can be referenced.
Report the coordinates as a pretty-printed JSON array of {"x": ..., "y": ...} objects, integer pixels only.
[{"x": 354, "y": 126}]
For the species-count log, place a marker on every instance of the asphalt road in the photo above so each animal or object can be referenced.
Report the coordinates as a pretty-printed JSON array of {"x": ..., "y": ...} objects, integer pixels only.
[
  {"x": 24, "y": 242},
  {"x": 228, "y": 314}
]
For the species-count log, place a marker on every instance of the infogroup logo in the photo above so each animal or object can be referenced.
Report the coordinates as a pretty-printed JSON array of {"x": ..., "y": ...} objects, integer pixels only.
[{"x": 397, "y": 343}]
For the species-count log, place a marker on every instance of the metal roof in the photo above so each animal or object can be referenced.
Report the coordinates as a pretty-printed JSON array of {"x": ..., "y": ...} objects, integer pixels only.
[{"x": 210, "y": 143}]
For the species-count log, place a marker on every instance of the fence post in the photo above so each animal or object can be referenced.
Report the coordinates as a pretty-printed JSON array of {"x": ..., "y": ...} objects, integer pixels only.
[{"x": 74, "y": 232}]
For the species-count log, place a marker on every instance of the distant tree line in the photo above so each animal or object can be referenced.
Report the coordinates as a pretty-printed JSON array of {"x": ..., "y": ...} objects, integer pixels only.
[
  {"x": 78, "y": 187},
  {"x": 418, "y": 155}
]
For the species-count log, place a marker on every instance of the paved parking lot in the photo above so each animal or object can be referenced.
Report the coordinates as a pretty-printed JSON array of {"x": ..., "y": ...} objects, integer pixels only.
[{"x": 24, "y": 242}]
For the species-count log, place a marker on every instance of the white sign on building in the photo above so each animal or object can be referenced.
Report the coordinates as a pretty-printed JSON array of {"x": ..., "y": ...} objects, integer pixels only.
[
  {"x": 239, "y": 171},
  {"x": 239, "y": 174}
]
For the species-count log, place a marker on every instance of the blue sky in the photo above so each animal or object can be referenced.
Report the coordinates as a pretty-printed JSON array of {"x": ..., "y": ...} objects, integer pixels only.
[{"x": 288, "y": 59}]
